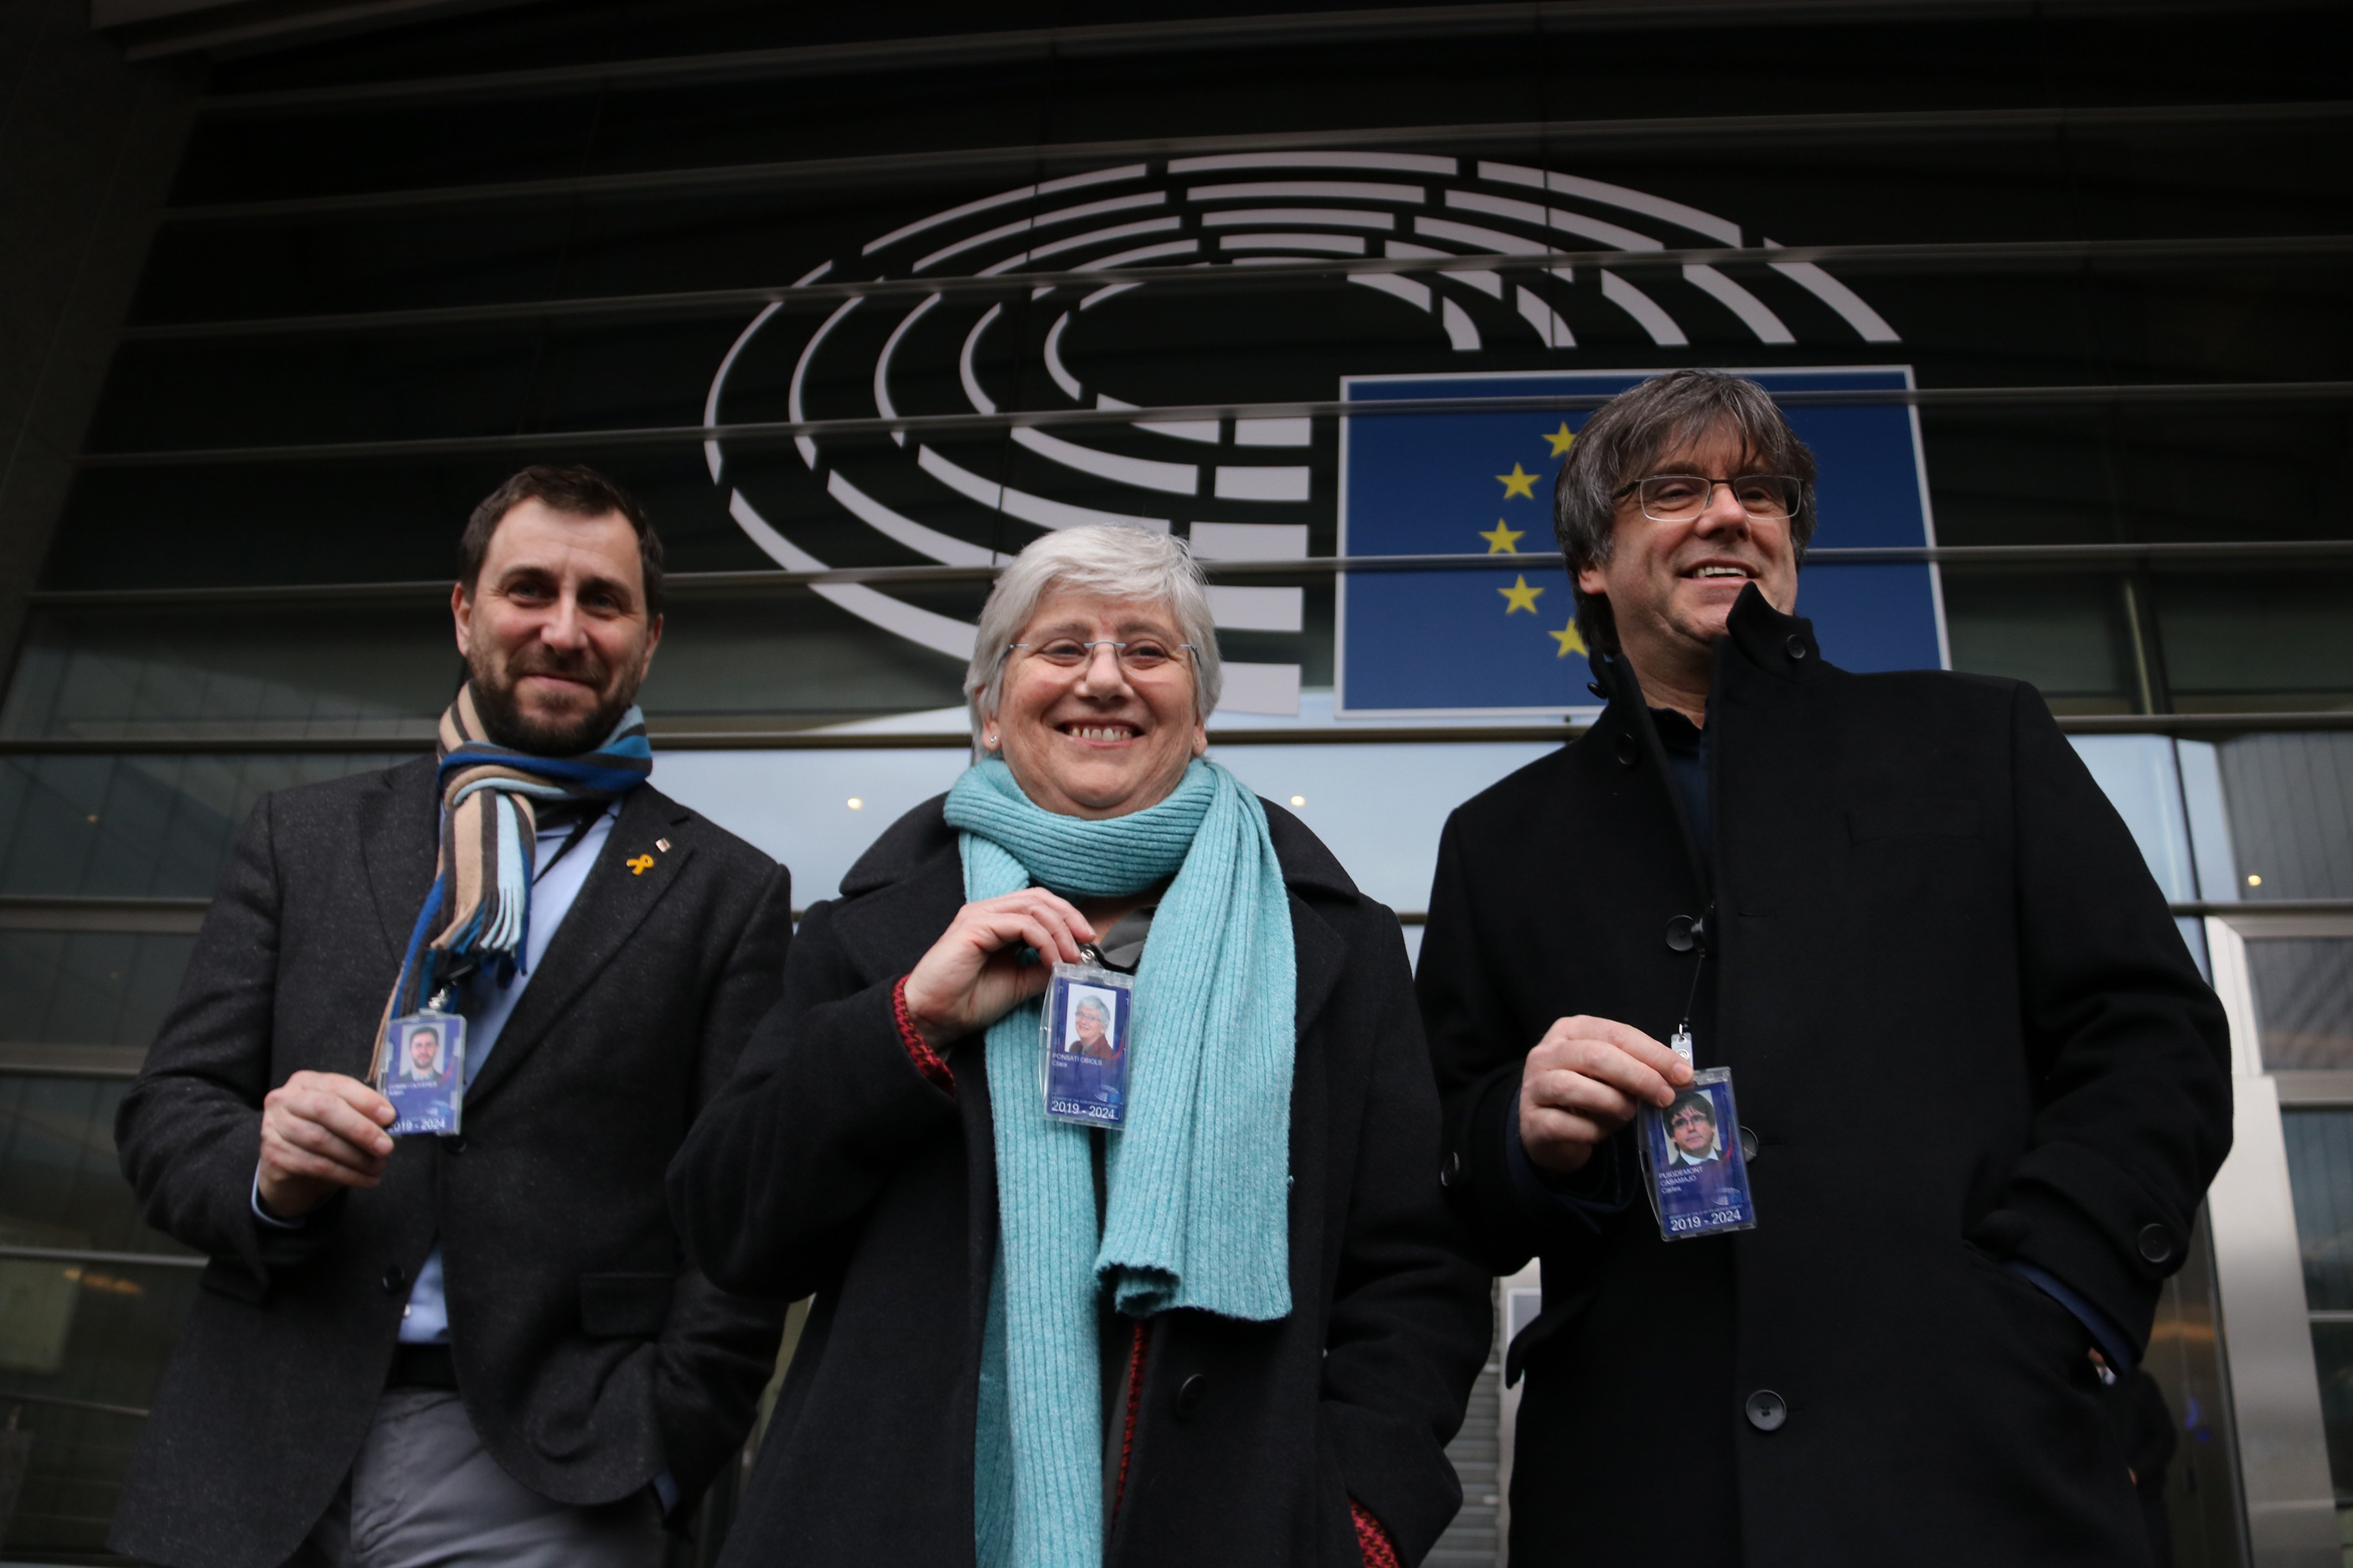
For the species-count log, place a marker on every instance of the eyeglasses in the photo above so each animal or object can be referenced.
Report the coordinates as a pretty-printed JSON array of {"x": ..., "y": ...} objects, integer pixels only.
[
  {"x": 1145, "y": 656},
  {"x": 1679, "y": 497}
]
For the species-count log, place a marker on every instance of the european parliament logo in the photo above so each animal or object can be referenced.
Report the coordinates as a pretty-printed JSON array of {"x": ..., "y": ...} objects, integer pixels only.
[{"x": 1505, "y": 642}]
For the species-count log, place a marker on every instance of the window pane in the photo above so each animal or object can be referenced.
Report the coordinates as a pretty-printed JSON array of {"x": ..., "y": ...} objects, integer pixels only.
[
  {"x": 2304, "y": 1000},
  {"x": 119, "y": 1325},
  {"x": 60, "y": 1184},
  {"x": 2065, "y": 635},
  {"x": 2332, "y": 1347},
  {"x": 137, "y": 827},
  {"x": 2320, "y": 1173},
  {"x": 88, "y": 988},
  {"x": 2289, "y": 799},
  {"x": 2239, "y": 642},
  {"x": 341, "y": 672}
]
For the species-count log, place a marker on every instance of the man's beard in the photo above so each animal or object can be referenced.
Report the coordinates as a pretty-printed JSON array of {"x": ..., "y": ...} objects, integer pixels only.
[{"x": 505, "y": 722}]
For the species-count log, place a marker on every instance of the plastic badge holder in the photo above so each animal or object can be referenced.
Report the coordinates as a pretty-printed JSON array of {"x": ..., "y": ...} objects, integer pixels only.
[
  {"x": 425, "y": 1072},
  {"x": 1692, "y": 1164},
  {"x": 1089, "y": 1022}
]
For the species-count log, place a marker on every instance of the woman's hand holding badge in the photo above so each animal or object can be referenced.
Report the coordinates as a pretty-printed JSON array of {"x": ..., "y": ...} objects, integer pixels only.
[
  {"x": 973, "y": 975},
  {"x": 1587, "y": 1079}
]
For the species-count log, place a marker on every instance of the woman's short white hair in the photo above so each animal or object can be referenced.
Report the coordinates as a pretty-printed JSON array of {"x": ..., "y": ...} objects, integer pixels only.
[{"x": 1112, "y": 559}]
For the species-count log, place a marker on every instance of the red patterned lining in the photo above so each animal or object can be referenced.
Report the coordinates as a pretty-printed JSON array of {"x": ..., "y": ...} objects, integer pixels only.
[
  {"x": 1135, "y": 1399},
  {"x": 927, "y": 1061},
  {"x": 1372, "y": 1539}
]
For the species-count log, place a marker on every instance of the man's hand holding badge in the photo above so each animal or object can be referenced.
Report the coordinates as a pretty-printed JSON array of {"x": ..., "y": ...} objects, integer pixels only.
[
  {"x": 1589, "y": 1076},
  {"x": 1587, "y": 1079},
  {"x": 320, "y": 1130}
]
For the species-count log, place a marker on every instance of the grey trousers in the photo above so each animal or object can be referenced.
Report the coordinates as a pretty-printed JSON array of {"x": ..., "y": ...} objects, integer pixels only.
[{"x": 424, "y": 1493}]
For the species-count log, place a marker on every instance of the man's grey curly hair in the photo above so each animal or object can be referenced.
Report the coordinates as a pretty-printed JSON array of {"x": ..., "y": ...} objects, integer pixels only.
[{"x": 1629, "y": 433}]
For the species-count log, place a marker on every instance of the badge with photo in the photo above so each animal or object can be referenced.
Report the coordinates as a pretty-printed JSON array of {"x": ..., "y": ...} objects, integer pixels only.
[
  {"x": 1088, "y": 1022},
  {"x": 1691, "y": 1160},
  {"x": 425, "y": 1072}
]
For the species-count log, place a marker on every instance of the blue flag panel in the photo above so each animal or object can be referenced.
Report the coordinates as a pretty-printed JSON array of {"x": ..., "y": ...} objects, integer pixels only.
[{"x": 1503, "y": 642}]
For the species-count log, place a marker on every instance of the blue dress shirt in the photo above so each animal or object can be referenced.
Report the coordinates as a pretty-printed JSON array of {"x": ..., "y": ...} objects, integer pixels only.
[{"x": 487, "y": 1008}]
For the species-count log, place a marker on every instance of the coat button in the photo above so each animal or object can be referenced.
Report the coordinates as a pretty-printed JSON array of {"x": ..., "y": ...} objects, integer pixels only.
[
  {"x": 1797, "y": 647},
  {"x": 395, "y": 1278},
  {"x": 455, "y": 1143},
  {"x": 1451, "y": 1171},
  {"x": 1768, "y": 1410},
  {"x": 1190, "y": 1394},
  {"x": 1628, "y": 752},
  {"x": 2155, "y": 1244},
  {"x": 1684, "y": 932},
  {"x": 1748, "y": 1143}
]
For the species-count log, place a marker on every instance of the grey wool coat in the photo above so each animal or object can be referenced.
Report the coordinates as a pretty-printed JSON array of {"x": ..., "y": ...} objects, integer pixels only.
[{"x": 590, "y": 1355}]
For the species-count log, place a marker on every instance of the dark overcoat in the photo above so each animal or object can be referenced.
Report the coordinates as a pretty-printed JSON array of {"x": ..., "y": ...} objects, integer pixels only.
[
  {"x": 1931, "y": 932},
  {"x": 591, "y": 1357},
  {"x": 832, "y": 1166}
]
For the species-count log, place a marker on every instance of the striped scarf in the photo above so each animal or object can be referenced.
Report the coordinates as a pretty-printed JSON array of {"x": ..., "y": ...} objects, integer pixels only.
[{"x": 479, "y": 912}]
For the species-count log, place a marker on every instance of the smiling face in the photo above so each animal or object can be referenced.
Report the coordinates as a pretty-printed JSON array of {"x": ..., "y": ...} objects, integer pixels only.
[
  {"x": 423, "y": 1045},
  {"x": 1087, "y": 1021},
  {"x": 1672, "y": 585},
  {"x": 1693, "y": 1130},
  {"x": 555, "y": 629},
  {"x": 1096, "y": 741}
]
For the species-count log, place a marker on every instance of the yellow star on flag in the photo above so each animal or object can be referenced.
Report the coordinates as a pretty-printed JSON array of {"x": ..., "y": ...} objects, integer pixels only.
[
  {"x": 1519, "y": 596},
  {"x": 1569, "y": 641},
  {"x": 1560, "y": 440},
  {"x": 1519, "y": 482},
  {"x": 1504, "y": 540}
]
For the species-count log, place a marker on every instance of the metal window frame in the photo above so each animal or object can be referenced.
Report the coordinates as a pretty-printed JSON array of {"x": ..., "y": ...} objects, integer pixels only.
[
  {"x": 1033, "y": 158},
  {"x": 2265, "y": 1320},
  {"x": 1011, "y": 46},
  {"x": 1996, "y": 398},
  {"x": 2183, "y": 725},
  {"x": 1970, "y": 259}
]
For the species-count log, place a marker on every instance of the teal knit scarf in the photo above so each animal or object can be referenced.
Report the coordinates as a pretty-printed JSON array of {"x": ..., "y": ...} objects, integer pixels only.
[{"x": 1199, "y": 1202}]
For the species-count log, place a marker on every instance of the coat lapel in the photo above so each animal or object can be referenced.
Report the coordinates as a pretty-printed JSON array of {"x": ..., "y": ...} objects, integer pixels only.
[
  {"x": 1321, "y": 956},
  {"x": 613, "y": 903},
  {"x": 400, "y": 849}
]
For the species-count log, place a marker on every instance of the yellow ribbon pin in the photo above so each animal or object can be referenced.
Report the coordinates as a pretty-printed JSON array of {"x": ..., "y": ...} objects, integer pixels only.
[{"x": 639, "y": 866}]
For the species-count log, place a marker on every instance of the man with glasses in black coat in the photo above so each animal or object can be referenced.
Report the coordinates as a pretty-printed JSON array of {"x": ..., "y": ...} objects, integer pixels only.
[{"x": 1850, "y": 890}]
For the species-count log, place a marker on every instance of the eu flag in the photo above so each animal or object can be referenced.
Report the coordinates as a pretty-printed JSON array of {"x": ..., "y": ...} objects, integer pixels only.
[{"x": 1503, "y": 642}]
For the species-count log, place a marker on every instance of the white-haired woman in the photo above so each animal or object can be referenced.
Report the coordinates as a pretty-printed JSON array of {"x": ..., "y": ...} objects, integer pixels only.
[{"x": 1234, "y": 1332}]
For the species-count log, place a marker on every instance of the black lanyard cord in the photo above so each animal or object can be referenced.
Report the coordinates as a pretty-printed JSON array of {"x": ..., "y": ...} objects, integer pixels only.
[{"x": 1699, "y": 962}]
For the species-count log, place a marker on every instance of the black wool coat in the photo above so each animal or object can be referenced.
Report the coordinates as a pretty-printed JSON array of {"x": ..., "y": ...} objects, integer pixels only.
[
  {"x": 590, "y": 1355},
  {"x": 1962, "y": 1027},
  {"x": 831, "y": 1166}
]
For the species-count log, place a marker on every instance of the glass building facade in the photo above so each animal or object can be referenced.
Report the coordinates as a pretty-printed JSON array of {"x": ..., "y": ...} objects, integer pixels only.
[{"x": 861, "y": 302}]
